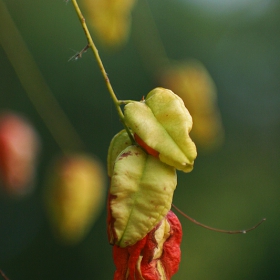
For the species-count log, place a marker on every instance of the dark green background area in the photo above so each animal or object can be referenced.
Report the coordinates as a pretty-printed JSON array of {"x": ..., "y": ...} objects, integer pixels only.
[{"x": 231, "y": 188}]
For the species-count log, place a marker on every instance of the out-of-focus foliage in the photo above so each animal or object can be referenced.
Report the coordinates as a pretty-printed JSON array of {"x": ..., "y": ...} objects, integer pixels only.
[
  {"x": 232, "y": 187},
  {"x": 74, "y": 196},
  {"x": 19, "y": 147},
  {"x": 110, "y": 19}
]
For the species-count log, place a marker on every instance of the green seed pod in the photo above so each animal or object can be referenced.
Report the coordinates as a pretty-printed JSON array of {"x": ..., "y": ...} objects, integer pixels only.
[
  {"x": 119, "y": 142},
  {"x": 140, "y": 195},
  {"x": 163, "y": 123}
]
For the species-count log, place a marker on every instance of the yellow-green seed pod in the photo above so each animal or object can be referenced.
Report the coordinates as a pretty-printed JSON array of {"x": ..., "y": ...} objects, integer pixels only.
[
  {"x": 163, "y": 123},
  {"x": 74, "y": 196},
  {"x": 119, "y": 142},
  {"x": 110, "y": 19},
  {"x": 140, "y": 195}
]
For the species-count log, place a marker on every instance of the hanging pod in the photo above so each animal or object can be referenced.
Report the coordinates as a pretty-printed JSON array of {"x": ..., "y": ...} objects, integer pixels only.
[
  {"x": 140, "y": 195},
  {"x": 119, "y": 142},
  {"x": 163, "y": 123}
]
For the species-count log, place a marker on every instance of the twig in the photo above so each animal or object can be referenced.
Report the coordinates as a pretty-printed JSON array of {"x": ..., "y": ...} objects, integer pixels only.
[
  {"x": 3, "y": 275},
  {"x": 101, "y": 66},
  {"x": 215, "y": 229},
  {"x": 35, "y": 85}
]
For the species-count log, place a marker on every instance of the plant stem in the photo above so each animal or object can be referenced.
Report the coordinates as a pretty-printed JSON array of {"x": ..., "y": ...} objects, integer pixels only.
[
  {"x": 35, "y": 85},
  {"x": 216, "y": 229},
  {"x": 101, "y": 66},
  {"x": 3, "y": 275}
]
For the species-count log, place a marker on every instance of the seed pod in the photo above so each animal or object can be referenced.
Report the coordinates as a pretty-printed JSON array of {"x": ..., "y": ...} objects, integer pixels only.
[
  {"x": 19, "y": 148},
  {"x": 155, "y": 257},
  {"x": 110, "y": 19},
  {"x": 119, "y": 142},
  {"x": 74, "y": 196},
  {"x": 140, "y": 195},
  {"x": 163, "y": 123}
]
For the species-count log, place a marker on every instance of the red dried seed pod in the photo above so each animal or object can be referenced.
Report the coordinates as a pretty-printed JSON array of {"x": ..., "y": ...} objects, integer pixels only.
[
  {"x": 19, "y": 147},
  {"x": 155, "y": 257},
  {"x": 147, "y": 148}
]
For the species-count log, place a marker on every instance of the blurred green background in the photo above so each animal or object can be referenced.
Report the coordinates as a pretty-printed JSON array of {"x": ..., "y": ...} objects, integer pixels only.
[{"x": 232, "y": 187}]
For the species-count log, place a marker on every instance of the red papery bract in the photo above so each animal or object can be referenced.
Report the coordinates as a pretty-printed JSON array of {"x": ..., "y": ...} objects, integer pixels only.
[
  {"x": 153, "y": 257},
  {"x": 19, "y": 145}
]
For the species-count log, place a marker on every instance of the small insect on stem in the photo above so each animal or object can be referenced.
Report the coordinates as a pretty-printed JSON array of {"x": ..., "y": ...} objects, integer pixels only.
[
  {"x": 3, "y": 275},
  {"x": 216, "y": 229}
]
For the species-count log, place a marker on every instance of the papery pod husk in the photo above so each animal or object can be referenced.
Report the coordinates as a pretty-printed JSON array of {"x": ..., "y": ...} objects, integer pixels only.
[
  {"x": 19, "y": 149},
  {"x": 163, "y": 123},
  {"x": 74, "y": 196},
  {"x": 140, "y": 195},
  {"x": 119, "y": 142},
  {"x": 110, "y": 19},
  {"x": 155, "y": 257},
  {"x": 193, "y": 83}
]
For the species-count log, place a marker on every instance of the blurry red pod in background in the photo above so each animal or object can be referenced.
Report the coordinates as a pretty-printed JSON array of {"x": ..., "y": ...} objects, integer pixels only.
[{"x": 19, "y": 148}]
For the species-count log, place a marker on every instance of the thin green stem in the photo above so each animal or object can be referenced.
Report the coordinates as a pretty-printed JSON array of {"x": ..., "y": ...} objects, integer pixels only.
[{"x": 101, "y": 66}]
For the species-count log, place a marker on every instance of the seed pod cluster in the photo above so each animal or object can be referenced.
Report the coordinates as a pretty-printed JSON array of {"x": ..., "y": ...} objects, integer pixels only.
[{"x": 143, "y": 180}]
